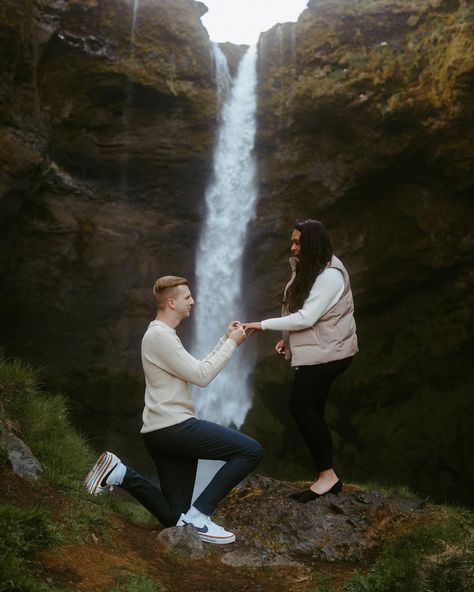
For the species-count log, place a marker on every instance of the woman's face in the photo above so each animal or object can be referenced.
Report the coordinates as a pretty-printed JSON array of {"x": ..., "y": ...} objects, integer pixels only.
[{"x": 295, "y": 247}]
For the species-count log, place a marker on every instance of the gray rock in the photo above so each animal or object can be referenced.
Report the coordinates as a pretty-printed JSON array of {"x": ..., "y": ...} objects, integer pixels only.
[
  {"x": 344, "y": 527},
  {"x": 22, "y": 460},
  {"x": 182, "y": 540}
]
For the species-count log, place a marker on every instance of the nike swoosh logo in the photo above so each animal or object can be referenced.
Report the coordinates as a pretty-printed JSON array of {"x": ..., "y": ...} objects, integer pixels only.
[
  {"x": 202, "y": 529},
  {"x": 103, "y": 483}
]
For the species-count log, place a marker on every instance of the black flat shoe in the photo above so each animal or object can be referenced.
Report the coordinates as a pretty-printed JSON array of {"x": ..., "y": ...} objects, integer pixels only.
[
  {"x": 296, "y": 496},
  {"x": 309, "y": 495}
]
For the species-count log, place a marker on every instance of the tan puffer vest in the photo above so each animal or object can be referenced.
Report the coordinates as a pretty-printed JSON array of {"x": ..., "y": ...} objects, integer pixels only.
[{"x": 333, "y": 337}]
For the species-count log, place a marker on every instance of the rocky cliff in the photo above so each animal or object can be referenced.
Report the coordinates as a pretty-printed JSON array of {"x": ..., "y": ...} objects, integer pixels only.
[
  {"x": 366, "y": 123},
  {"x": 108, "y": 111}
]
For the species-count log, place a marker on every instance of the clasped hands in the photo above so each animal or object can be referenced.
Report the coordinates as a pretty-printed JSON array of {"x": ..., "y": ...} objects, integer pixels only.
[{"x": 238, "y": 332}]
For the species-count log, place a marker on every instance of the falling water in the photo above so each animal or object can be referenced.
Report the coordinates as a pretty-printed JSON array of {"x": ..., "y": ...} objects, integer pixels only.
[
  {"x": 230, "y": 201},
  {"x": 134, "y": 25},
  {"x": 223, "y": 77}
]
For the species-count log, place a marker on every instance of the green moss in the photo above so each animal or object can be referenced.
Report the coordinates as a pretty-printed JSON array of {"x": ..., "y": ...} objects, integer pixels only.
[{"x": 433, "y": 558}]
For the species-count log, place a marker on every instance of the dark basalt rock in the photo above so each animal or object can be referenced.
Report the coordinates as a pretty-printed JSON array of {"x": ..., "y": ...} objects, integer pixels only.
[{"x": 344, "y": 527}]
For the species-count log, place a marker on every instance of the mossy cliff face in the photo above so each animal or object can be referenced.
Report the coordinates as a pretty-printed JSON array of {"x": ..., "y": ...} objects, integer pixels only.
[
  {"x": 105, "y": 145},
  {"x": 366, "y": 122}
]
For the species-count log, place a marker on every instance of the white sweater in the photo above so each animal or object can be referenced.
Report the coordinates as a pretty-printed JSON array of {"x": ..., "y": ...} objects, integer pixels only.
[
  {"x": 326, "y": 291},
  {"x": 169, "y": 369}
]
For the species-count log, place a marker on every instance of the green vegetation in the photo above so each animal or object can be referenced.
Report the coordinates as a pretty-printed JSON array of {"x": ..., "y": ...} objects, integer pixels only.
[
  {"x": 41, "y": 420},
  {"x": 437, "y": 557},
  {"x": 465, "y": 14},
  {"x": 24, "y": 531},
  {"x": 135, "y": 583}
]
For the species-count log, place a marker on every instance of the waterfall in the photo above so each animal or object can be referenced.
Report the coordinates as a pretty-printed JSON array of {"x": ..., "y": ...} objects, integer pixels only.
[
  {"x": 230, "y": 201},
  {"x": 223, "y": 77}
]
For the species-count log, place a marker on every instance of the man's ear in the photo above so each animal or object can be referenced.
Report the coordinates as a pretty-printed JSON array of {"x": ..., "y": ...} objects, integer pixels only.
[{"x": 171, "y": 303}]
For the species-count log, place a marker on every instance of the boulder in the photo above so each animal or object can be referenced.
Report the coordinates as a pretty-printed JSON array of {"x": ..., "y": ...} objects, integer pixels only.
[
  {"x": 182, "y": 540},
  {"x": 24, "y": 463}
]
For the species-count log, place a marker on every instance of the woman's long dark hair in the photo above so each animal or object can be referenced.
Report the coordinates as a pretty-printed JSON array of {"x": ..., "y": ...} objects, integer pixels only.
[{"x": 315, "y": 254}]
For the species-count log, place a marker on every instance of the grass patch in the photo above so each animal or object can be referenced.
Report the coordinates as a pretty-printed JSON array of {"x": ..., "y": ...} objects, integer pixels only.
[
  {"x": 136, "y": 583},
  {"x": 389, "y": 490},
  {"x": 432, "y": 558},
  {"x": 42, "y": 421},
  {"x": 84, "y": 518},
  {"x": 23, "y": 532},
  {"x": 134, "y": 512}
]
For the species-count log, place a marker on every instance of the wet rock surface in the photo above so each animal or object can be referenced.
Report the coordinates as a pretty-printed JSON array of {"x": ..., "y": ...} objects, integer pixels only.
[{"x": 343, "y": 527}]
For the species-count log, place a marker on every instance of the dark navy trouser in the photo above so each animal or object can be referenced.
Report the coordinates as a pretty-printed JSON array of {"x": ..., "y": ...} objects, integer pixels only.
[{"x": 175, "y": 451}]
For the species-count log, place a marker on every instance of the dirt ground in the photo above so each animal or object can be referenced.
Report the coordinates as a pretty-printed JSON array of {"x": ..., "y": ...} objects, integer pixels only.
[{"x": 127, "y": 548}]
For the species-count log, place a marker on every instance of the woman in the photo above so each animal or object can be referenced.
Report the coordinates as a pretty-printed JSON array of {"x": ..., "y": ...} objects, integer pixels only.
[{"x": 319, "y": 338}]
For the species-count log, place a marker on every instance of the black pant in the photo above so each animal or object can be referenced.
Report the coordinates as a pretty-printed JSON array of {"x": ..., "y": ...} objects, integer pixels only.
[
  {"x": 175, "y": 451},
  {"x": 308, "y": 398}
]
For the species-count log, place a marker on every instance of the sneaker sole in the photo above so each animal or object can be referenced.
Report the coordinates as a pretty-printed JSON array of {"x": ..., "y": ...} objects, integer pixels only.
[
  {"x": 205, "y": 538},
  {"x": 94, "y": 477}
]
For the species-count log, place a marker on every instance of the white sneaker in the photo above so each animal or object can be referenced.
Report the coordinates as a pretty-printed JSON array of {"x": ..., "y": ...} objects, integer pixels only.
[
  {"x": 209, "y": 531},
  {"x": 106, "y": 472}
]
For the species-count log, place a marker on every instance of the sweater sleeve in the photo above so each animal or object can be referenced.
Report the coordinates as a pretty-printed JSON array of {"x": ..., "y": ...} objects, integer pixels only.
[
  {"x": 326, "y": 291},
  {"x": 166, "y": 351}
]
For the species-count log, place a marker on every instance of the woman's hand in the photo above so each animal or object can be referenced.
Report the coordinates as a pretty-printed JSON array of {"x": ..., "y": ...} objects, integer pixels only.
[
  {"x": 280, "y": 347},
  {"x": 252, "y": 327}
]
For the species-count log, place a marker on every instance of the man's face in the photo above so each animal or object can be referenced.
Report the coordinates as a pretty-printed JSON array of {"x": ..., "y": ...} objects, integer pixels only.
[
  {"x": 183, "y": 301},
  {"x": 295, "y": 247}
]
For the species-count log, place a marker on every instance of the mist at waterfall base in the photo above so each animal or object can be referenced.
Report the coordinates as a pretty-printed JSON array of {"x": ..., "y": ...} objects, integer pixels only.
[{"x": 230, "y": 200}]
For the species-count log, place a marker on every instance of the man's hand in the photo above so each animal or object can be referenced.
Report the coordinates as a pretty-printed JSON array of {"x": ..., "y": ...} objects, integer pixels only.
[
  {"x": 252, "y": 327},
  {"x": 280, "y": 347},
  {"x": 233, "y": 325},
  {"x": 238, "y": 334}
]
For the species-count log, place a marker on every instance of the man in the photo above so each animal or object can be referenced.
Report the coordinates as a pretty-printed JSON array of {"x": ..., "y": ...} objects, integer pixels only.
[{"x": 173, "y": 436}]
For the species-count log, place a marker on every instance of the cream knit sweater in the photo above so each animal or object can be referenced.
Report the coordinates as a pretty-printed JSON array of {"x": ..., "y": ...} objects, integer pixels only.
[{"x": 169, "y": 370}]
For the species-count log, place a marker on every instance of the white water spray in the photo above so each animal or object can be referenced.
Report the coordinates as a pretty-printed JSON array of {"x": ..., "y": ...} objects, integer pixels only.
[{"x": 230, "y": 200}]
